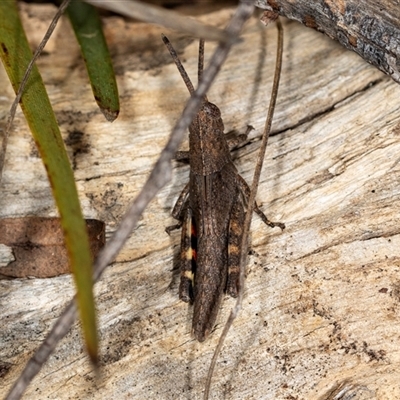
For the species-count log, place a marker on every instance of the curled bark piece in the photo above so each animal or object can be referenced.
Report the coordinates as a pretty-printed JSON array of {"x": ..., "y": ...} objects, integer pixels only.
[
  {"x": 37, "y": 246},
  {"x": 368, "y": 27}
]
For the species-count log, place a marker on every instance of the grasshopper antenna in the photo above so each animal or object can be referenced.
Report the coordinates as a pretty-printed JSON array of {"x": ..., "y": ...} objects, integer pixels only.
[
  {"x": 201, "y": 59},
  {"x": 178, "y": 64},
  {"x": 243, "y": 247},
  {"x": 201, "y": 62},
  {"x": 181, "y": 68}
]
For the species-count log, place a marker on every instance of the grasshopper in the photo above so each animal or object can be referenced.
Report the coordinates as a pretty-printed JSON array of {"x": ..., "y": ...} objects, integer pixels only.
[{"x": 210, "y": 211}]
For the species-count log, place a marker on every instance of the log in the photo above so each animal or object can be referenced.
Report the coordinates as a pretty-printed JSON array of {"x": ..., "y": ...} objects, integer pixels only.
[
  {"x": 369, "y": 27},
  {"x": 321, "y": 307}
]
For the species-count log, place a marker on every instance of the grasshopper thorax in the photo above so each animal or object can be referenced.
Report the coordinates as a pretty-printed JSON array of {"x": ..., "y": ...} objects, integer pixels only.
[{"x": 209, "y": 151}]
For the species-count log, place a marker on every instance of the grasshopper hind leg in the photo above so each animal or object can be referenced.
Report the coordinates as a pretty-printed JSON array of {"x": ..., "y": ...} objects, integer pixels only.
[
  {"x": 183, "y": 214},
  {"x": 234, "y": 241},
  {"x": 187, "y": 257},
  {"x": 235, "y": 236}
]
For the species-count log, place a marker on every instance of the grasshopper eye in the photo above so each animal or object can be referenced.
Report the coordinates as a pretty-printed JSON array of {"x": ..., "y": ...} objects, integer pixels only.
[{"x": 212, "y": 110}]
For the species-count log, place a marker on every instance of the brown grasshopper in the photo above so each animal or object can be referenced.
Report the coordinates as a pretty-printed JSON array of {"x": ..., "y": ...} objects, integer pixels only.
[{"x": 211, "y": 212}]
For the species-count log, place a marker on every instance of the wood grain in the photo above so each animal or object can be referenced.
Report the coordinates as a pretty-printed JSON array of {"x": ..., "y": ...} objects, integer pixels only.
[
  {"x": 321, "y": 309},
  {"x": 371, "y": 28}
]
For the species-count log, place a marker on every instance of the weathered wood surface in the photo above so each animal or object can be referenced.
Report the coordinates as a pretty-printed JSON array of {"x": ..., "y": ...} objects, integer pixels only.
[
  {"x": 371, "y": 28},
  {"x": 321, "y": 308}
]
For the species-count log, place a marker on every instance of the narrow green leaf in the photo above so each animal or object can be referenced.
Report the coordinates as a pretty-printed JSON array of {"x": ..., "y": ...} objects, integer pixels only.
[
  {"x": 15, "y": 55},
  {"x": 86, "y": 23}
]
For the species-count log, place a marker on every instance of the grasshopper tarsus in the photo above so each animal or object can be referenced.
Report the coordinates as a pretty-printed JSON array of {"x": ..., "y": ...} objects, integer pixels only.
[
  {"x": 171, "y": 228},
  {"x": 266, "y": 220}
]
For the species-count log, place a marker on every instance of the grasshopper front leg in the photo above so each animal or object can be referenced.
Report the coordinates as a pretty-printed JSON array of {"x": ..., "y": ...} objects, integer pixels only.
[{"x": 178, "y": 211}]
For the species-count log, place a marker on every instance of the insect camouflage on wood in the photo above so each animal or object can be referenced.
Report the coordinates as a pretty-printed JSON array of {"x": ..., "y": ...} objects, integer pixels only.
[{"x": 211, "y": 212}]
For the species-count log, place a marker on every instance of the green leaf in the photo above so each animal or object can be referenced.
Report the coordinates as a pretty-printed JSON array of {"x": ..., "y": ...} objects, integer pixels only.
[
  {"x": 15, "y": 54},
  {"x": 86, "y": 23}
]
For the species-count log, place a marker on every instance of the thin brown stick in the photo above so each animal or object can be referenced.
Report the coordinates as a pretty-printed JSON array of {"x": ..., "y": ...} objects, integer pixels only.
[
  {"x": 159, "y": 177},
  {"x": 14, "y": 105},
  {"x": 250, "y": 209}
]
